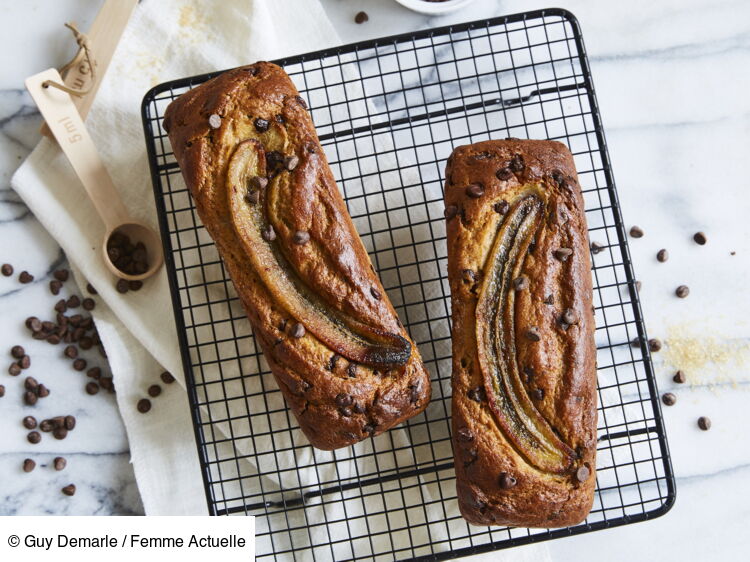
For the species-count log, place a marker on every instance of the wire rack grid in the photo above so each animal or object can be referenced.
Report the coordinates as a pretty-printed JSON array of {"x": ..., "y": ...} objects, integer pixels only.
[{"x": 388, "y": 113}]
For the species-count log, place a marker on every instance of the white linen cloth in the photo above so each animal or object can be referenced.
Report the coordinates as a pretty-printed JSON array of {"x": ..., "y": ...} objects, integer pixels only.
[{"x": 165, "y": 39}]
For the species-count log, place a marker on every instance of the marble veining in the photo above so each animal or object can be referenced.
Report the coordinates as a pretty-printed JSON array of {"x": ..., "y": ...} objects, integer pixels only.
[{"x": 671, "y": 80}]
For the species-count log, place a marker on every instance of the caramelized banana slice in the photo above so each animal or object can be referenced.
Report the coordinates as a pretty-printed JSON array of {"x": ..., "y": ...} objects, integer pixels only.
[
  {"x": 345, "y": 335},
  {"x": 519, "y": 419}
]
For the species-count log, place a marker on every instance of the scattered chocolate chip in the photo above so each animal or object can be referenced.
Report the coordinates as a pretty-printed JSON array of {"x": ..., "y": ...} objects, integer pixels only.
[
  {"x": 70, "y": 423},
  {"x": 301, "y": 237},
  {"x": 30, "y": 398},
  {"x": 55, "y": 286},
  {"x": 704, "y": 423},
  {"x": 59, "y": 463},
  {"x": 269, "y": 234},
  {"x": 135, "y": 285},
  {"x": 517, "y": 164},
  {"x": 154, "y": 390},
  {"x": 450, "y": 212},
  {"x": 682, "y": 291},
  {"x": 144, "y": 405},
  {"x": 507, "y": 481},
  {"x": 34, "y": 437},
  {"x": 167, "y": 377},
  {"x": 669, "y": 399},
  {"x": 582, "y": 474},
  {"x": 69, "y": 490},
  {"x": 521, "y": 283},
  {"x": 501, "y": 207},
  {"x": 638, "y": 286},
  {"x": 700, "y": 238},
  {"x": 298, "y": 330},
  {"x": 31, "y": 384},
  {"x": 504, "y": 174},
  {"x": 17, "y": 351},
  {"x": 47, "y": 425},
  {"x": 28, "y": 465},
  {"x": 464, "y": 434},
  {"x": 59, "y": 433},
  {"x": 61, "y": 275},
  {"x": 361, "y": 17},
  {"x": 71, "y": 352},
  {"x": 475, "y": 191},
  {"x": 569, "y": 316},
  {"x": 90, "y": 289},
  {"x": 122, "y": 286},
  {"x": 532, "y": 334},
  {"x": 596, "y": 248},
  {"x": 92, "y": 388},
  {"x": 291, "y": 162},
  {"x": 214, "y": 121},
  {"x": 2, "y": 390},
  {"x": 24, "y": 362},
  {"x": 636, "y": 232},
  {"x": 563, "y": 254},
  {"x": 29, "y": 422},
  {"x": 33, "y": 323},
  {"x": 662, "y": 255},
  {"x": 79, "y": 364},
  {"x": 25, "y": 277},
  {"x": 6, "y": 269},
  {"x": 538, "y": 394},
  {"x": 477, "y": 394},
  {"x": 654, "y": 344},
  {"x": 106, "y": 383},
  {"x": 261, "y": 125},
  {"x": 679, "y": 377},
  {"x": 375, "y": 294},
  {"x": 61, "y": 306},
  {"x": 88, "y": 304},
  {"x": 344, "y": 400}
]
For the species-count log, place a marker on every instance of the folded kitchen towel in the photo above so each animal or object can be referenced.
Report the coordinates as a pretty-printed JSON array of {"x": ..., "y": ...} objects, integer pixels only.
[{"x": 167, "y": 40}]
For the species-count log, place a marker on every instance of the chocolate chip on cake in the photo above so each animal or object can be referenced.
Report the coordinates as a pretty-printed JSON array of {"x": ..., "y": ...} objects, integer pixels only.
[
  {"x": 361, "y": 17},
  {"x": 582, "y": 474},
  {"x": 344, "y": 400},
  {"x": 507, "y": 481},
  {"x": 258, "y": 182},
  {"x": 521, "y": 283},
  {"x": 301, "y": 237},
  {"x": 450, "y": 212},
  {"x": 662, "y": 255},
  {"x": 269, "y": 234},
  {"x": 636, "y": 232},
  {"x": 550, "y": 299},
  {"x": 464, "y": 434},
  {"x": 596, "y": 247},
  {"x": 504, "y": 174},
  {"x": 538, "y": 394},
  {"x": 569, "y": 316},
  {"x": 563, "y": 254},
  {"x": 144, "y": 405},
  {"x": 700, "y": 238},
  {"x": 298, "y": 330},
  {"x": 291, "y": 162},
  {"x": 468, "y": 276},
  {"x": 704, "y": 423},
  {"x": 261, "y": 125},
  {"x": 375, "y": 294},
  {"x": 669, "y": 399},
  {"x": 477, "y": 394},
  {"x": 501, "y": 207},
  {"x": 301, "y": 101},
  {"x": 654, "y": 344},
  {"x": 25, "y": 277},
  {"x": 475, "y": 191},
  {"x": 6, "y": 269},
  {"x": 682, "y": 291},
  {"x": 679, "y": 377},
  {"x": 532, "y": 334},
  {"x": 214, "y": 121},
  {"x": 517, "y": 164},
  {"x": 28, "y": 465}
]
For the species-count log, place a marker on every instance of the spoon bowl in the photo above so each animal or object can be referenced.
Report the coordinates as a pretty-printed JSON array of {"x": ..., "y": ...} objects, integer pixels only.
[{"x": 137, "y": 232}]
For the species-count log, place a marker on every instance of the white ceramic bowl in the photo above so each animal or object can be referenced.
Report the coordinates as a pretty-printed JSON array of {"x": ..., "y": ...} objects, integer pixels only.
[{"x": 434, "y": 8}]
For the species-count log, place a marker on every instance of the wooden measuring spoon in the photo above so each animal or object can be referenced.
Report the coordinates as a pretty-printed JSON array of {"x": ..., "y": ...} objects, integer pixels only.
[{"x": 66, "y": 125}]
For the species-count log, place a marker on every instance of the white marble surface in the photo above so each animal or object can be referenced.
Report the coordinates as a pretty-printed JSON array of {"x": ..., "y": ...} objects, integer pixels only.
[{"x": 672, "y": 83}]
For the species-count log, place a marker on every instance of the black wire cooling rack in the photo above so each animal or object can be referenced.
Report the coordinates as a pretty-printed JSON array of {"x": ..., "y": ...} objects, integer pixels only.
[{"x": 388, "y": 113}]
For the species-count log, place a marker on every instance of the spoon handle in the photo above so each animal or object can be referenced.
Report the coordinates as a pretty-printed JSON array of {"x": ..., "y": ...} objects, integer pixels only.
[{"x": 66, "y": 125}]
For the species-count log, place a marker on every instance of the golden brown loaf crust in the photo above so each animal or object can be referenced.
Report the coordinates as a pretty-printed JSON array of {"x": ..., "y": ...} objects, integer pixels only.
[
  {"x": 251, "y": 158},
  {"x": 524, "y": 398}
]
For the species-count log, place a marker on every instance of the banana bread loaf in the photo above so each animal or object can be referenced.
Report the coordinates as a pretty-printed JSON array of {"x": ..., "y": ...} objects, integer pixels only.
[
  {"x": 524, "y": 357},
  {"x": 263, "y": 189}
]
